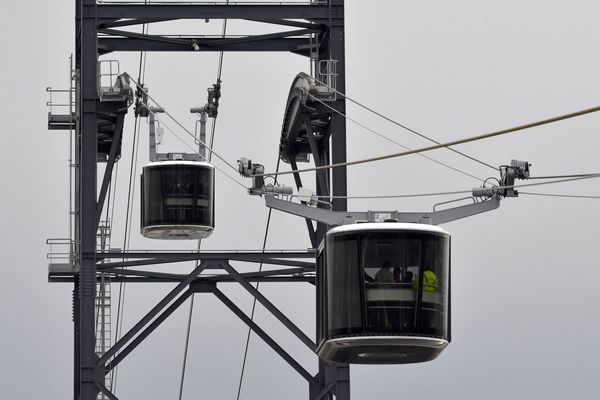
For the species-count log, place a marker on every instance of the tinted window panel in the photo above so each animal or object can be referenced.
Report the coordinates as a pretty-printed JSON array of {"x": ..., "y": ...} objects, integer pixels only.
[
  {"x": 178, "y": 195},
  {"x": 405, "y": 283},
  {"x": 343, "y": 286},
  {"x": 387, "y": 282}
]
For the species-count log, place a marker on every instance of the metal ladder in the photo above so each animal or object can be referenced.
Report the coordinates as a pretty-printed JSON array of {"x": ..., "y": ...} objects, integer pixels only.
[{"x": 103, "y": 303}]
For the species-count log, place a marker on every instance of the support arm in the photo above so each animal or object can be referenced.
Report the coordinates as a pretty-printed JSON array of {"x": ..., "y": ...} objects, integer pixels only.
[
  {"x": 317, "y": 214},
  {"x": 452, "y": 214},
  {"x": 334, "y": 218}
]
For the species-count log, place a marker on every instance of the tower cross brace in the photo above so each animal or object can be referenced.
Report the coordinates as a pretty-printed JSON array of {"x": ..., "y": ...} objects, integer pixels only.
[{"x": 101, "y": 29}]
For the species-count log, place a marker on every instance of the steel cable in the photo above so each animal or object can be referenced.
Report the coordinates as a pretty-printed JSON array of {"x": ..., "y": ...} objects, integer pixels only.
[
  {"x": 561, "y": 176},
  {"x": 209, "y": 158},
  {"x": 394, "y": 196},
  {"x": 129, "y": 212},
  {"x": 404, "y": 126},
  {"x": 442, "y": 145},
  {"x": 572, "y": 196},
  {"x": 396, "y": 143},
  {"x": 181, "y": 125},
  {"x": 254, "y": 300}
]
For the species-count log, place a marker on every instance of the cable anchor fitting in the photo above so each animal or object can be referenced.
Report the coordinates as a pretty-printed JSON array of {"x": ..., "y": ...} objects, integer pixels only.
[
  {"x": 248, "y": 169},
  {"x": 508, "y": 173},
  {"x": 141, "y": 101}
]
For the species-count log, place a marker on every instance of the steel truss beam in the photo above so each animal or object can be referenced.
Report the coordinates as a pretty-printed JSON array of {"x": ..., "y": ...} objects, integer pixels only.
[
  {"x": 269, "y": 306},
  {"x": 146, "y": 258},
  {"x": 264, "y": 336},
  {"x": 112, "y": 158},
  {"x": 327, "y": 21},
  {"x": 278, "y": 15},
  {"x": 136, "y": 279},
  {"x": 213, "y": 278},
  {"x": 170, "y": 303},
  {"x": 324, "y": 391},
  {"x": 132, "y": 22},
  {"x": 157, "y": 315},
  {"x": 286, "y": 22},
  {"x": 209, "y": 41},
  {"x": 108, "y": 13},
  {"x": 294, "y": 45},
  {"x": 151, "y": 314},
  {"x": 149, "y": 329},
  {"x": 106, "y": 392},
  {"x": 256, "y": 256},
  {"x": 122, "y": 273},
  {"x": 154, "y": 261}
]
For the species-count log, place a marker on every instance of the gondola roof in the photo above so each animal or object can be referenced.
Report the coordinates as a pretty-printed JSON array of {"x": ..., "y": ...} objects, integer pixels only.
[{"x": 387, "y": 226}]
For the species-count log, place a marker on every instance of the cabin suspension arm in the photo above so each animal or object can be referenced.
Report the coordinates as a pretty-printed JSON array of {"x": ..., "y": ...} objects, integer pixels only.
[
  {"x": 279, "y": 198},
  {"x": 335, "y": 218}
]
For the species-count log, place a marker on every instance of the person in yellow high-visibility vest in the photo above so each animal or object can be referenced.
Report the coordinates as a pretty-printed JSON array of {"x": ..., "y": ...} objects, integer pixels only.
[{"x": 430, "y": 281}]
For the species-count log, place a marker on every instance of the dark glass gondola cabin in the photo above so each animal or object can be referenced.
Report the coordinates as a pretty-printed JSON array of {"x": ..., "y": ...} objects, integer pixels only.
[
  {"x": 383, "y": 293},
  {"x": 178, "y": 200}
]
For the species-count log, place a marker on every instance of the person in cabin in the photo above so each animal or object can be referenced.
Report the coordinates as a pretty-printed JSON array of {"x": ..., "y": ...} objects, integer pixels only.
[
  {"x": 430, "y": 280},
  {"x": 398, "y": 275},
  {"x": 384, "y": 275}
]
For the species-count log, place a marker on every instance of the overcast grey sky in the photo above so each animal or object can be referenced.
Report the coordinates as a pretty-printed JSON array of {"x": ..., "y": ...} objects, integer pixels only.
[{"x": 525, "y": 278}]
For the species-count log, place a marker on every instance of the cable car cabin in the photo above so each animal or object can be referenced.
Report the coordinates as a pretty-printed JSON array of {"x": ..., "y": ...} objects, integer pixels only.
[
  {"x": 177, "y": 200},
  {"x": 383, "y": 293}
]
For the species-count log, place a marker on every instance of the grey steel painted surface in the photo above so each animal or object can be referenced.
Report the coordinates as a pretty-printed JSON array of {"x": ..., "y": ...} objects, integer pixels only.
[
  {"x": 263, "y": 335},
  {"x": 91, "y": 19},
  {"x": 148, "y": 330},
  {"x": 87, "y": 59},
  {"x": 269, "y": 306},
  {"x": 335, "y": 218}
]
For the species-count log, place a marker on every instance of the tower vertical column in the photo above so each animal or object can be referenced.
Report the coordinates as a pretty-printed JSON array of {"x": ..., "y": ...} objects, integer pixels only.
[
  {"x": 75, "y": 299},
  {"x": 336, "y": 50},
  {"x": 336, "y": 374},
  {"x": 87, "y": 56}
]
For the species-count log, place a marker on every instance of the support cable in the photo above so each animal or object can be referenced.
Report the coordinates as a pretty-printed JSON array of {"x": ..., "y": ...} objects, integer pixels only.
[
  {"x": 128, "y": 237},
  {"x": 129, "y": 212},
  {"x": 187, "y": 335},
  {"x": 122, "y": 286},
  {"x": 254, "y": 300},
  {"x": 394, "y": 142},
  {"x": 181, "y": 125},
  {"x": 395, "y": 196},
  {"x": 404, "y": 126},
  {"x": 196, "y": 151},
  {"x": 219, "y": 73},
  {"x": 441, "y": 145},
  {"x": 209, "y": 158},
  {"x": 562, "y": 176},
  {"x": 112, "y": 207},
  {"x": 572, "y": 196}
]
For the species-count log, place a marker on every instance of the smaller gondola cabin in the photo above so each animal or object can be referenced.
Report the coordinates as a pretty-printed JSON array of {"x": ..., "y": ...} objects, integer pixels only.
[
  {"x": 383, "y": 293},
  {"x": 178, "y": 200}
]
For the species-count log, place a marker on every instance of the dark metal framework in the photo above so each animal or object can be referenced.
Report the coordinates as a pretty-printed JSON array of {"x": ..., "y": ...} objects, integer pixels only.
[{"x": 101, "y": 29}]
